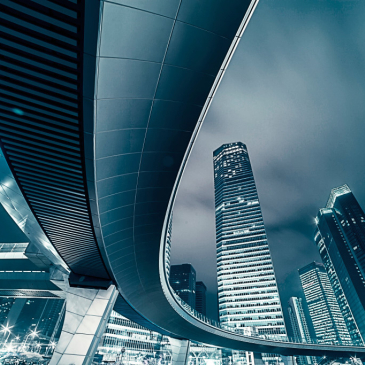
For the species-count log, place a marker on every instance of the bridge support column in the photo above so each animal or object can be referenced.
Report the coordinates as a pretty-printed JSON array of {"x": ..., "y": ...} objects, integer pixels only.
[
  {"x": 180, "y": 350},
  {"x": 87, "y": 313}
]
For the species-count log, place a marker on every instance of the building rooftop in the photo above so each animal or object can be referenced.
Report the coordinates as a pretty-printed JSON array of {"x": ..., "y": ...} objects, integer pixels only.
[{"x": 336, "y": 192}]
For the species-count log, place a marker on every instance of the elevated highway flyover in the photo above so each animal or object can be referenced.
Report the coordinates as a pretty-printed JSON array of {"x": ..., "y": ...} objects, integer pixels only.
[{"x": 101, "y": 102}]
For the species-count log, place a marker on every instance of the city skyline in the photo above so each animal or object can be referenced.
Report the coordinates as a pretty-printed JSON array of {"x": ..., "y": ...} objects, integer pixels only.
[
  {"x": 310, "y": 132},
  {"x": 211, "y": 304}
]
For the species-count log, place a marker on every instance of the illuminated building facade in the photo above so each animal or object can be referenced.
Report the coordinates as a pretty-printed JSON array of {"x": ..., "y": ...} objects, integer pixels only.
[
  {"x": 247, "y": 289},
  {"x": 328, "y": 321},
  {"x": 340, "y": 238},
  {"x": 136, "y": 343},
  {"x": 299, "y": 326},
  {"x": 248, "y": 296}
]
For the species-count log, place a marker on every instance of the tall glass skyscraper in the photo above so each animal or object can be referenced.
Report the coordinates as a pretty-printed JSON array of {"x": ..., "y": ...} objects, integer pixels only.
[
  {"x": 328, "y": 321},
  {"x": 299, "y": 325},
  {"x": 247, "y": 289},
  {"x": 340, "y": 238},
  {"x": 298, "y": 321}
]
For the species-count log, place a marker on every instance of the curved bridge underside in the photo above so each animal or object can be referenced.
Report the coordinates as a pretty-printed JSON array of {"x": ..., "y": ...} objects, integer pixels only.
[{"x": 101, "y": 104}]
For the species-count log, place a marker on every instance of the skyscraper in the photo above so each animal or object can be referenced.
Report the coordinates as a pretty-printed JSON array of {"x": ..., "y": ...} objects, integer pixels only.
[
  {"x": 328, "y": 321},
  {"x": 340, "y": 238},
  {"x": 248, "y": 296},
  {"x": 183, "y": 281},
  {"x": 299, "y": 327},
  {"x": 200, "y": 298},
  {"x": 298, "y": 321},
  {"x": 247, "y": 289}
]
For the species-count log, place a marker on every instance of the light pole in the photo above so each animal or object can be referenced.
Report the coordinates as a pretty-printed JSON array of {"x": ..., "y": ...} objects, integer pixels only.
[
  {"x": 32, "y": 334},
  {"x": 122, "y": 351}
]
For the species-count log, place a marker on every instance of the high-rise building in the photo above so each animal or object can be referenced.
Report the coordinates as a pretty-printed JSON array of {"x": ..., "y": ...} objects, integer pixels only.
[
  {"x": 247, "y": 288},
  {"x": 340, "y": 238},
  {"x": 328, "y": 321},
  {"x": 248, "y": 296},
  {"x": 298, "y": 321},
  {"x": 201, "y": 297},
  {"x": 299, "y": 326},
  {"x": 183, "y": 281}
]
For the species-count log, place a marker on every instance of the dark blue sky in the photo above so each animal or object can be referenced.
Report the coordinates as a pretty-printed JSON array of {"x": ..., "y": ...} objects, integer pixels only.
[{"x": 295, "y": 94}]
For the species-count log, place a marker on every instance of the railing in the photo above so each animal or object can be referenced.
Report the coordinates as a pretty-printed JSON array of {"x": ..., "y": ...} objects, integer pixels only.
[{"x": 253, "y": 333}]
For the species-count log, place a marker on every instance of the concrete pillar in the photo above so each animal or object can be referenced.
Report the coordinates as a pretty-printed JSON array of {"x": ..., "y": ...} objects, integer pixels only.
[
  {"x": 180, "y": 350},
  {"x": 87, "y": 313}
]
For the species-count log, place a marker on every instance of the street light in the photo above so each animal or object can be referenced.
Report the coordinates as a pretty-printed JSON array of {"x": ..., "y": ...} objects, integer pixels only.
[
  {"x": 32, "y": 334},
  {"x": 51, "y": 346},
  {"x": 6, "y": 329}
]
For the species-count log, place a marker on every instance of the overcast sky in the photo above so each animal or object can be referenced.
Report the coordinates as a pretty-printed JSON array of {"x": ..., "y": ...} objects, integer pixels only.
[{"x": 295, "y": 94}]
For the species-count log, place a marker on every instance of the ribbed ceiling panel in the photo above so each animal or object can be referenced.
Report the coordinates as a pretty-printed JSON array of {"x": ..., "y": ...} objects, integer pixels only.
[{"x": 41, "y": 121}]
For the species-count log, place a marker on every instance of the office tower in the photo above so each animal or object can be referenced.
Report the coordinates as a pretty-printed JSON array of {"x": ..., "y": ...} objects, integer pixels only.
[
  {"x": 183, "y": 281},
  {"x": 298, "y": 321},
  {"x": 248, "y": 296},
  {"x": 328, "y": 321},
  {"x": 299, "y": 327},
  {"x": 340, "y": 238},
  {"x": 200, "y": 298},
  {"x": 247, "y": 289}
]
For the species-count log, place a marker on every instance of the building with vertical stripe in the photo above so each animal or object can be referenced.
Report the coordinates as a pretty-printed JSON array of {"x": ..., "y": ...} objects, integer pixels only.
[
  {"x": 340, "y": 238},
  {"x": 247, "y": 290},
  {"x": 328, "y": 321},
  {"x": 299, "y": 326}
]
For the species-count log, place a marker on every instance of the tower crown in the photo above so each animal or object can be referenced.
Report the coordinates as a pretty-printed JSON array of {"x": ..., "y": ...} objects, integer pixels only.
[{"x": 335, "y": 192}]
